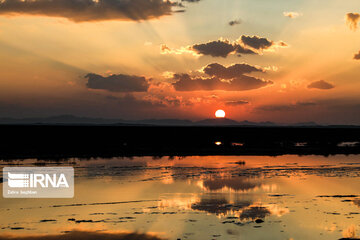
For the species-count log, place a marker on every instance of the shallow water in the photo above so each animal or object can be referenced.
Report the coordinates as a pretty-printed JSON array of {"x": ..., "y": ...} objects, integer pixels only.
[{"x": 217, "y": 197}]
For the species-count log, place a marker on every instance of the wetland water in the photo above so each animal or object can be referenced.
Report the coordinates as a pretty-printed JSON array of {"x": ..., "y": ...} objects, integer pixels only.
[{"x": 215, "y": 197}]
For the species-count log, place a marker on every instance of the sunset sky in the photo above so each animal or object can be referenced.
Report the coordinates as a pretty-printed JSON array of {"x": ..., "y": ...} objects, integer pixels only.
[{"x": 259, "y": 60}]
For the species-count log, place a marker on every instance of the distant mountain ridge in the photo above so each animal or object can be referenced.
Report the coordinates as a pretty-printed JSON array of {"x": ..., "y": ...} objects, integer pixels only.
[{"x": 74, "y": 120}]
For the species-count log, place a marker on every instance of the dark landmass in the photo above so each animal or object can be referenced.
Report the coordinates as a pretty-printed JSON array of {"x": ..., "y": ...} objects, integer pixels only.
[
  {"x": 74, "y": 120},
  {"x": 349, "y": 238},
  {"x": 88, "y": 141}
]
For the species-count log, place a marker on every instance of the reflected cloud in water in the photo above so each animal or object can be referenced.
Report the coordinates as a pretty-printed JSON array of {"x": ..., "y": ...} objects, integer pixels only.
[
  {"x": 219, "y": 206},
  {"x": 196, "y": 198},
  {"x": 179, "y": 202},
  {"x": 242, "y": 207},
  {"x": 253, "y": 213},
  {"x": 350, "y": 232},
  {"x": 236, "y": 184},
  {"x": 356, "y": 202}
]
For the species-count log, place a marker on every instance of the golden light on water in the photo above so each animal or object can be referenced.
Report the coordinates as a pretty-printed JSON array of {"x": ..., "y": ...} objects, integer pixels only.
[{"x": 214, "y": 189}]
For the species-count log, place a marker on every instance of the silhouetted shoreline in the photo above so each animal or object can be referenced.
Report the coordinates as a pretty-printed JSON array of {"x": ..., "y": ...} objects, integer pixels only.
[{"x": 65, "y": 141}]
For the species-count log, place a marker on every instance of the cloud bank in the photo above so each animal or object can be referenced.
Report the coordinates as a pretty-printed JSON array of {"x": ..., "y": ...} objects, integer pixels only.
[
  {"x": 219, "y": 77},
  {"x": 117, "y": 83},
  {"x": 91, "y": 10},
  {"x": 223, "y": 47}
]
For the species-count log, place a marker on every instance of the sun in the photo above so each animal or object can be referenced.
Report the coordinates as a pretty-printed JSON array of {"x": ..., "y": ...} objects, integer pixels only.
[{"x": 220, "y": 113}]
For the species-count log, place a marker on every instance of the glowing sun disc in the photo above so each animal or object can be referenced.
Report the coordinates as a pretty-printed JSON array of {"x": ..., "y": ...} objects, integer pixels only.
[{"x": 220, "y": 113}]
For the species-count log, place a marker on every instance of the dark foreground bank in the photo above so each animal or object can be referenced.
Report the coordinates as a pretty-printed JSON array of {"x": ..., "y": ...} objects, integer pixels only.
[{"x": 61, "y": 141}]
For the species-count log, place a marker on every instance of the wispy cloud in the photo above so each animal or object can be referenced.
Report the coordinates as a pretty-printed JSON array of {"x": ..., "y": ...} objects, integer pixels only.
[
  {"x": 357, "y": 56},
  {"x": 352, "y": 20},
  {"x": 321, "y": 85},
  {"x": 235, "y": 22},
  {"x": 292, "y": 14},
  {"x": 236, "y": 103},
  {"x": 285, "y": 107}
]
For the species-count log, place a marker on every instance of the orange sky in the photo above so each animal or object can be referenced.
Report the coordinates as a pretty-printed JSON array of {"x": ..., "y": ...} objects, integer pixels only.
[{"x": 258, "y": 60}]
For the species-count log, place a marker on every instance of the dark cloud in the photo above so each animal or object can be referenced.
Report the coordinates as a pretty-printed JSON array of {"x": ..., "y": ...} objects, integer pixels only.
[
  {"x": 321, "y": 85},
  {"x": 90, "y": 10},
  {"x": 233, "y": 71},
  {"x": 117, "y": 83},
  {"x": 256, "y": 42},
  {"x": 244, "y": 45},
  {"x": 357, "y": 56},
  {"x": 235, "y": 22},
  {"x": 230, "y": 78},
  {"x": 241, "y": 83},
  {"x": 218, "y": 48},
  {"x": 236, "y": 103},
  {"x": 244, "y": 50},
  {"x": 84, "y": 235},
  {"x": 352, "y": 20}
]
